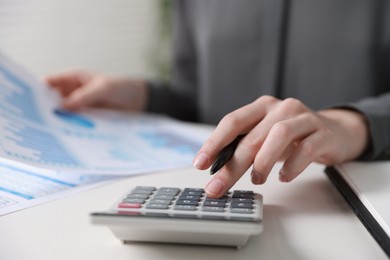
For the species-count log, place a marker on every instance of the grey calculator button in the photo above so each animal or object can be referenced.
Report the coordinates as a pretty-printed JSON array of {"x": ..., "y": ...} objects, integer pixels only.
[
  {"x": 184, "y": 207},
  {"x": 138, "y": 196},
  {"x": 189, "y": 197},
  {"x": 151, "y": 188},
  {"x": 156, "y": 206},
  {"x": 187, "y": 202},
  {"x": 243, "y": 191},
  {"x": 213, "y": 209},
  {"x": 216, "y": 200},
  {"x": 194, "y": 193},
  {"x": 241, "y": 210},
  {"x": 163, "y": 196},
  {"x": 142, "y": 192},
  {"x": 243, "y": 194},
  {"x": 160, "y": 201},
  {"x": 168, "y": 191},
  {"x": 245, "y": 200},
  {"x": 214, "y": 203},
  {"x": 133, "y": 200},
  {"x": 242, "y": 205},
  {"x": 194, "y": 189}
]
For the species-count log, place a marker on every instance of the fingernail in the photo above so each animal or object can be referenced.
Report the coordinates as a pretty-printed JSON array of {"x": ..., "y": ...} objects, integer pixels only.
[
  {"x": 200, "y": 161},
  {"x": 256, "y": 177},
  {"x": 282, "y": 177},
  {"x": 214, "y": 187}
]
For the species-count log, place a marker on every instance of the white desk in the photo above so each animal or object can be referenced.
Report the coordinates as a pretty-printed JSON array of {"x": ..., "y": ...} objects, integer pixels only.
[{"x": 305, "y": 219}]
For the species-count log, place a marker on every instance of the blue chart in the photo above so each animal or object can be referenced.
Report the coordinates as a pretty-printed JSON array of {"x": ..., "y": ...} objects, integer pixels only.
[
  {"x": 17, "y": 97},
  {"x": 73, "y": 118},
  {"x": 42, "y": 147},
  {"x": 28, "y": 185},
  {"x": 104, "y": 143},
  {"x": 169, "y": 140}
]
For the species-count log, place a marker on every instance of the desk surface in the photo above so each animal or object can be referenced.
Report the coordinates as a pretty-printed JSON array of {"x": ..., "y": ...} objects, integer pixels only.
[{"x": 305, "y": 219}]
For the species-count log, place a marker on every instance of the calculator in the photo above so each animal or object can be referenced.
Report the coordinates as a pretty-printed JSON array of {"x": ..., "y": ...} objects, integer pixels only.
[{"x": 184, "y": 215}]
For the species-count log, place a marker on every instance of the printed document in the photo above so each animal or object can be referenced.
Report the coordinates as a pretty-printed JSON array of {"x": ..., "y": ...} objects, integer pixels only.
[
  {"x": 47, "y": 152},
  {"x": 35, "y": 130}
]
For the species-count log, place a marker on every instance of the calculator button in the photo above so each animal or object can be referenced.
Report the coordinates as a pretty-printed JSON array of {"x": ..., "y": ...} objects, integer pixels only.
[
  {"x": 187, "y": 202},
  {"x": 242, "y": 195},
  {"x": 241, "y": 210},
  {"x": 151, "y": 188},
  {"x": 184, "y": 207},
  {"x": 244, "y": 191},
  {"x": 138, "y": 196},
  {"x": 129, "y": 205},
  {"x": 194, "y": 189},
  {"x": 193, "y": 192},
  {"x": 245, "y": 200},
  {"x": 156, "y": 206},
  {"x": 189, "y": 197},
  {"x": 163, "y": 196},
  {"x": 214, "y": 203},
  {"x": 216, "y": 200},
  {"x": 148, "y": 192},
  {"x": 241, "y": 205},
  {"x": 168, "y": 191},
  {"x": 160, "y": 201},
  {"x": 133, "y": 200},
  {"x": 213, "y": 209}
]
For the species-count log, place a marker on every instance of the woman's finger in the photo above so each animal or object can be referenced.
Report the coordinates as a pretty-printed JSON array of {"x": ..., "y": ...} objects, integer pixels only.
[
  {"x": 282, "y": 136},
  {"x": 90, "y": 94},
  {"x": 306, "y": 152},
  {"x": 232, "y": 125}
]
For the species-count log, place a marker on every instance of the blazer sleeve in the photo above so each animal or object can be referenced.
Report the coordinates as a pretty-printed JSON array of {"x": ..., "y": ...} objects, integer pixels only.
[
  {"x": 178, "y": 97},
  {"x": 377, "y": 112}
]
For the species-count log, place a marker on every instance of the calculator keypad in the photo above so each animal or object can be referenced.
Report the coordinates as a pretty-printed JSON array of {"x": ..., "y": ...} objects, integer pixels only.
[
  {"x": 184, "y": 215},
  {"x": 147, "y": 199}
]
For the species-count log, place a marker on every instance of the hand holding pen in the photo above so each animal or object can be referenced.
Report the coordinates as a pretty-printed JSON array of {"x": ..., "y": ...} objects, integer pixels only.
[{"x": 278, "y": 130}]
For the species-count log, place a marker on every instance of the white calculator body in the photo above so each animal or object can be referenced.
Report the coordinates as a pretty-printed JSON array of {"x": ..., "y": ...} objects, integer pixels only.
[{"x": 174, "y": 215}]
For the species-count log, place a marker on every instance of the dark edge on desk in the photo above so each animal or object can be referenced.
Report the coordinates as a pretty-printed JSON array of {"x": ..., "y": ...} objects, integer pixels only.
[{"x": 359, "y": 209}]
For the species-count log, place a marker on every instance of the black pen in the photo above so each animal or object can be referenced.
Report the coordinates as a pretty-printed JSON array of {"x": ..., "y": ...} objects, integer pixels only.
[{"x": 225, "y": 155}]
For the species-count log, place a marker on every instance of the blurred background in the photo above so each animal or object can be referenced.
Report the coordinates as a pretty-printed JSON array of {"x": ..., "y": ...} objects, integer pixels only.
[{"x": 115, "y": 36}]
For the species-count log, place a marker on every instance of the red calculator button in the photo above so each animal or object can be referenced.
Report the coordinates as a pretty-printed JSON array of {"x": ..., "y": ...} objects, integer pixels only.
[{"x": 129, "y": 205}]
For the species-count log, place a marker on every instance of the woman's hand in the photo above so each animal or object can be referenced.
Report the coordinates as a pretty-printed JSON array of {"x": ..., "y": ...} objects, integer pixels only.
[
  {"x": 281, "y": 130},
  {"x": 82, "y": 89}
]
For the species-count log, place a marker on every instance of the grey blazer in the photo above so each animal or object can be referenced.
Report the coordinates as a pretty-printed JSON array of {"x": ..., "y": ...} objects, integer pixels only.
[{"x": 227, "y": 53}]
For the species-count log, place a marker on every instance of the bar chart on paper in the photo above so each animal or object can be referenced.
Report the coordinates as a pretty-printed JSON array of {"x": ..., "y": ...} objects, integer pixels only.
[
  {"x": 17, "y": 98},
  {"x": 47, "y": 152},
  {"x": 22, "y": 186},
  {"x": 28, "y": 185},
  {"x": 36, "y": 131},
  {"x": 32, "y": 144}
]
